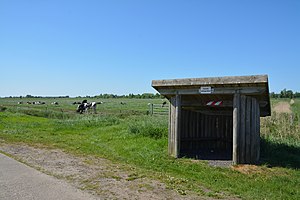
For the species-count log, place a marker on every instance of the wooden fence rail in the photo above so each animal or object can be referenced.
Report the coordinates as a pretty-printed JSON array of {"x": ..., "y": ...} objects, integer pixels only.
[{"x": 158, "y": 109}]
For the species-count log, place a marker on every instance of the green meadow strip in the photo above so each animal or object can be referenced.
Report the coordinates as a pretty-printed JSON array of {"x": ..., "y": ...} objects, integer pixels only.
[{"x": 140, "y": 141}]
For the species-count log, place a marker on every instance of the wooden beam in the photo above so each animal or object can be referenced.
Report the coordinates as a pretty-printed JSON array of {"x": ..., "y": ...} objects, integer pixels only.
[
  {"x": 220, "y": 90},
  {"x": 236, "y": 127},
  {"x": 226, "y": 103},
  {"x": 217, "y": 112}
]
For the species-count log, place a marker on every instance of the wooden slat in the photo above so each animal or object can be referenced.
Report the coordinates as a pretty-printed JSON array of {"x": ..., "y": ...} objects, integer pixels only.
[
  {"x": 202, "y": 126},
  {"x": 242, "y": 130},
  {"x": 248, "y": 129},
  {"x": 205, "y": 139},
  {"x": 253, "y": 131},
  {"x": 257, "y": 134}
]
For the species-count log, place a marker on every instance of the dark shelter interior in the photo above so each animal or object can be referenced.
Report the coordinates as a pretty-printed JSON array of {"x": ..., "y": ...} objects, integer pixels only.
[{"x": 206, "y": 130}]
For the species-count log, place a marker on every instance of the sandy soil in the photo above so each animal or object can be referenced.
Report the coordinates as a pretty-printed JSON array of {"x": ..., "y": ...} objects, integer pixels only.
[
  {"x": 99, "y": 176},
  {"x": 282, "y": 107}
]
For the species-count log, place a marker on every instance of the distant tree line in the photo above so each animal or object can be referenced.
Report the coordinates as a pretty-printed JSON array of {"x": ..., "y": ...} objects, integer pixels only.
[
  {"x": 285, "y": 94},
  {"x": 131, "y": 96},
  {"x": 102, "y": 96},
  {"x": 31, "y": 96}
]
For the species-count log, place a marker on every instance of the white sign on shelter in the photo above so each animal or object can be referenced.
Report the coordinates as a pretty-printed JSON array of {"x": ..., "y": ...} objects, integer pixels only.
[{"x": 206, "y": 90}]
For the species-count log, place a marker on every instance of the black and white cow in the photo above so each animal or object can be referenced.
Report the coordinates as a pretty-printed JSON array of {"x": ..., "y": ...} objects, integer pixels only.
[{"x": 85, "y": 107}]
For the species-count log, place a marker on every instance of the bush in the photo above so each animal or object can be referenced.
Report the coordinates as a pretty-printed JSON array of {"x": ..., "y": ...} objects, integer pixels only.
[{"x": 2, "y": 109}]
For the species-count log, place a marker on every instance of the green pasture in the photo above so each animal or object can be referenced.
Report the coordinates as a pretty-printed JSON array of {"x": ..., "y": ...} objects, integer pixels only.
[{"x": 126, "y": 134}]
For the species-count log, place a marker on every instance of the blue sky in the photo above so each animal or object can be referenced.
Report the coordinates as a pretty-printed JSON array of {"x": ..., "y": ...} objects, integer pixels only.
[{"x": 61, "y": 47}]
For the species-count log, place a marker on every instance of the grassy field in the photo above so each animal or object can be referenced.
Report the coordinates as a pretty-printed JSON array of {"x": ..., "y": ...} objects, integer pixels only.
[{"x": 125, "y": 134}]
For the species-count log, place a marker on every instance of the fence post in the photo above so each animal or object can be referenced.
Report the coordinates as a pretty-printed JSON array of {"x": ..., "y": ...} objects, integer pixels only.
[{"x": 151, "y": 108}]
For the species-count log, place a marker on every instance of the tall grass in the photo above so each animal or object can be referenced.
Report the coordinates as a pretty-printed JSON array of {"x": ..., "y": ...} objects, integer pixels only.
[
  {"x": 280, "y": 134},
  {"x": 42, "y": 111},
  {"x": 281, "y": 128},
  {"x": 150, "y": 126}
]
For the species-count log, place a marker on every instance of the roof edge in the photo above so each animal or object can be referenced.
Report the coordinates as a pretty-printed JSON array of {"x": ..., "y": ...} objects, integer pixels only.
[{"x": 252, "y": 79}]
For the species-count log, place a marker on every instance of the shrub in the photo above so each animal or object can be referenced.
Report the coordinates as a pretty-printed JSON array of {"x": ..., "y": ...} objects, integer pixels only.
[{"x": 2, "y": 109}]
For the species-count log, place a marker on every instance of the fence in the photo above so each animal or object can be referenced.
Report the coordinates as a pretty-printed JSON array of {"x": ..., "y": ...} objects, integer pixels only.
[{"x": 158, "y": 109}]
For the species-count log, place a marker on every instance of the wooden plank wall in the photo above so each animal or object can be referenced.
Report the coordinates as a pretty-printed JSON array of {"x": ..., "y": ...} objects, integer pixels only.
[
  {"x": 190, "y": 131},
  {"x": 246, "y": 130},
  {"x": 200, "y": 131}
]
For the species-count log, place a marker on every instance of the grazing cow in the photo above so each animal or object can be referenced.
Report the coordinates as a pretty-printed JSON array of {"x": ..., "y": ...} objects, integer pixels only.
[
  {"x": 20, "y": 102},
  {"x": 28, "y": 102},
  {"x": 85, "y": 107},
  {"x": 123, "y": 103},
  {"x": 38, "y": 102},
  {"x": 54, "y": 103}
]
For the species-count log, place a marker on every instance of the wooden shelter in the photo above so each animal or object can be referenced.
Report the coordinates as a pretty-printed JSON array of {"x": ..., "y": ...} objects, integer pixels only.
[{"x": 216, "y": 118}]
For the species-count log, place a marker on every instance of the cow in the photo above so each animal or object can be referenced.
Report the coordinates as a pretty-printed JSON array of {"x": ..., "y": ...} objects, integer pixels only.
[
  {"x": 54, "y": 103},
  {"x": 20, "y": 102},
  {"x": 85, "y": 107},
  {"x": 163, "y": 104},
  {"x": 38, "y": 103}
]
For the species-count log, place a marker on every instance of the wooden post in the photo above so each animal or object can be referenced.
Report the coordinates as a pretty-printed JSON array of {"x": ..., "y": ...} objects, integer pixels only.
[
  {"x": 174, "y": 126},
  {"x": 151, "y": 108},
  {"x": 236, "y": 127},
  {"x": 170, "y": 132},
  {"x": 177, "y": 125}
]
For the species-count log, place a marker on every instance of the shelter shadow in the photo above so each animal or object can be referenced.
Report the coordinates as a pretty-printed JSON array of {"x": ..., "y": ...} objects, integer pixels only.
[{"x": 280, "y": 155}]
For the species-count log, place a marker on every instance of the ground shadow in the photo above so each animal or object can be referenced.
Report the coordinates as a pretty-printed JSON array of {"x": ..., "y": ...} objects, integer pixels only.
[
  {"x": 208, "y": 154},
  {"x": 280, "y": 155}
]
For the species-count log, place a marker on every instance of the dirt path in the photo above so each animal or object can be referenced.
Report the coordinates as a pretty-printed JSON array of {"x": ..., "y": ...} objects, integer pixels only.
[
  {"x": 99, "y": 176},
  {"x": 19, "y": 181},
  {"x": 282, "y": 107}
]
